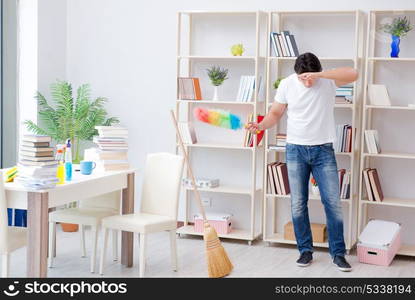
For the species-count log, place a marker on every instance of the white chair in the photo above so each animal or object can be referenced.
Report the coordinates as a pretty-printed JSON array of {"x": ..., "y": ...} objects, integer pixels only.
[
  {"x": 89, "y": 213},
  {"x": 11, "y": 238},
  {"x": 159, "y": 205}
]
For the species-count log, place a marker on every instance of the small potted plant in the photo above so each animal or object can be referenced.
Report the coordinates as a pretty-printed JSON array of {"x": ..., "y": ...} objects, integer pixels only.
[
  {"x": 314, "y": 186},
  {"x": 397, "y": 29},
  {"x": 237, "y": 49},
  {"x": 217, "y": 76}
]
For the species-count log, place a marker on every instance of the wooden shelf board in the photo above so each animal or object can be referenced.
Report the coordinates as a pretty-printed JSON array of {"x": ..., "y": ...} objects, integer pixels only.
[
  {"x": 337, "y": 153},
  {"x": 408, "y": 250},
  {"x": 203, "y": 12},
  {"x": 320, "y": 58},
  {"x": 279, "y": 238},
  {"x": 219, "y": 102},
  {"x": 390, "y": 107},
  {"x": 392, "y": 202},
  {"x": 238, "y": 234},
  {"x": 319, "y": 12},
  {"x": 310, "y": 197},
  {"x": 336, "y": 105},
  {"x": 220, "y": 146},
  {"x": 200, "y": 57},
  {"x": 392, "y": 155},
  {"x": 401, "y": 59},
  {"x": 226, "y": 189}
]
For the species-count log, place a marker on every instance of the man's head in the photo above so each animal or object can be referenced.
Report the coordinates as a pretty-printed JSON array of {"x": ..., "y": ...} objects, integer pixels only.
[{"x": 306, "y": 63}]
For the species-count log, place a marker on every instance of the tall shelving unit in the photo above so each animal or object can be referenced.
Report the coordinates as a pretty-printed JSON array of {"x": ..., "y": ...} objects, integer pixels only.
[
  {"x": 276, "y": 23},
  {"x": 372, "y": 62},
  {"x": 187, "y": 57}
]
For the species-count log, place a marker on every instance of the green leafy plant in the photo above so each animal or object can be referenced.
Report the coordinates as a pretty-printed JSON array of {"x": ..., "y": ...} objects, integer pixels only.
[
  {"x": 217, "y": 75},
  {"x": 277, "y": 82},
  {"x": 70, "y": 118},
  {"x": 399, "y": 27}
]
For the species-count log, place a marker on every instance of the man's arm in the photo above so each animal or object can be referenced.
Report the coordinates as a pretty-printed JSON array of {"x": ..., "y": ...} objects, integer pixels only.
[
  {"x": 341, "y": 76},
  {"x": 273, "y": 116}
]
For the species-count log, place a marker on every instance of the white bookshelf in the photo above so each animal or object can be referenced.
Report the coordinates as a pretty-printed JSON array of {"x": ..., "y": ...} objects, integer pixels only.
[
  {"x": 188, "y": 56},
  {"x": 276, "y": 24},
  {"x": 373, "y": 61}
]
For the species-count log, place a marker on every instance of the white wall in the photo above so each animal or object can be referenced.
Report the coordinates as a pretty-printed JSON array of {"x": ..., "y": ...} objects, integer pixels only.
[{"x": 126, "y": 50}]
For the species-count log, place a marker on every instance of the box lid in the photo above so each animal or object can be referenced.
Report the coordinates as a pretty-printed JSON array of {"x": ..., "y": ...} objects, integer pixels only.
[
  {"x": 214, "y": 216},
  {"x": 379, "y": 233}
]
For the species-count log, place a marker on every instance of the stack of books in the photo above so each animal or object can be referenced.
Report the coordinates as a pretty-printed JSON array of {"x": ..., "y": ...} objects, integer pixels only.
[
  {"x": 278, "y": 178},
  {"x": 249, "y": 137},
  {"x": 247, "y": 87},
  {"x": 372, "y": 183},
  {"x": 113, "y": 148},
  {"x": 283, "y": 44},
  {"x": 37, "y": 165},
  {"x": 344, "y": 182},
  {"x": 281, "y": 141},
  {"x": 372, "y": 141},
  {"x": 345, "y": 91},
  {"x": 344, "y": 135},
  {"x": 189, "y": 88}
]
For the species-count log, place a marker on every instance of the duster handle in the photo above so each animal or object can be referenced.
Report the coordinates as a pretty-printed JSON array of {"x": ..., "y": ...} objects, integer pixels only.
[{"x": 186, "y": 159}]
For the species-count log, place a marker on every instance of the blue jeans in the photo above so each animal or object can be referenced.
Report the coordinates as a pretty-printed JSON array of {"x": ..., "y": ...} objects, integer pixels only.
[{"x": 320, "y": 160}]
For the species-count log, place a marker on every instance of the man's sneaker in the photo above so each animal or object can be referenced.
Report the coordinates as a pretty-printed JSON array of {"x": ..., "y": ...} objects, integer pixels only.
[
  {"x": 305, "y": 259},
  {"x": 342, "y": 264}
]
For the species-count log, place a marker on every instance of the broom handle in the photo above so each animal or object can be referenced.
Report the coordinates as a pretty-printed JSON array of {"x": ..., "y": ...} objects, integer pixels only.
[{"x": 186, "y": 159}]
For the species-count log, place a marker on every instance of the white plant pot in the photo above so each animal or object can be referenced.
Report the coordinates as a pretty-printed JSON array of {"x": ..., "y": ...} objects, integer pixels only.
[
  {"x": 315, "y": 190},
  {"x": 215, "y": 93}
]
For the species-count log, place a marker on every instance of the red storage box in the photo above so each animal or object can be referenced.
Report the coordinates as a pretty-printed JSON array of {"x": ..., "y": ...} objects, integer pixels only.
[
  {"x": 221, "y": 222},
  {"x": 379, "y": 242}
]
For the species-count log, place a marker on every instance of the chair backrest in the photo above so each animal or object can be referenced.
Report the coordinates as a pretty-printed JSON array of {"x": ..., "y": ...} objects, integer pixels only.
[
  {"x": 161, "y": 185},
  {"x": 107, "y": 201},
  {"x": 3, "y": 217}
]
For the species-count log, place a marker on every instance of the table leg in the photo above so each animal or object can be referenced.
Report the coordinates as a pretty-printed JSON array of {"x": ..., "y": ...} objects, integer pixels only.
[
  {"x": 127, "y": 238},
  {"x": 37, "y": 234}
]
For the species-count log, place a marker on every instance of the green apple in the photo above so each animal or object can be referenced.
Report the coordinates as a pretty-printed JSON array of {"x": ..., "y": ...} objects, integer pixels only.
[{"x": 237, "y": 49}]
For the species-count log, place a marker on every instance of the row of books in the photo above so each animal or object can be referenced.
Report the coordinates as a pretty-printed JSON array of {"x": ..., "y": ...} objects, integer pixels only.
[
  {"x": 284, "y": 45},
  {"x": 112, "y": 151},
  {"x": 372, "y": 141},
  {"x": 372, "y": 183},
  {"x": 189, "y": 88},
  {"x": 278, "y": 178},
  {"x": 247, "y": 87},
  {"x": 249, "y": 137},
  {"x": 37, "y": 165},
  {"x": 344, "y": 183},
  {"x": 344, "y": 91},
  {"x": 281, "y": 141},
  {"x": 344, "y": 135}
]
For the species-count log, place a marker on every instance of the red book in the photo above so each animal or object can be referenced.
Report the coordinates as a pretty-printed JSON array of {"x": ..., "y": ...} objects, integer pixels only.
[{"x": 260, "y": 135}]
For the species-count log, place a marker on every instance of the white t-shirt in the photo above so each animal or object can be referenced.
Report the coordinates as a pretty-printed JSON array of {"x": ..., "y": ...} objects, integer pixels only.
[{"x": 310, "y": 110}]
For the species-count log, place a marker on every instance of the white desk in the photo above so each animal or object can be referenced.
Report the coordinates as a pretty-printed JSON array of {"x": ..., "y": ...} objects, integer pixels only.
[{"x": 81, "y": 187}]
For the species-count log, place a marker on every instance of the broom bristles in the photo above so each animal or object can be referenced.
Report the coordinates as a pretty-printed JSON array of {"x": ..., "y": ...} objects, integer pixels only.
[{"x": 219, "y": 264}]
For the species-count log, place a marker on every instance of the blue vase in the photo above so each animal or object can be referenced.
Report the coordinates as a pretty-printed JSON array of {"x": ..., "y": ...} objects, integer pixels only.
[{"x": 395, "y": 46}]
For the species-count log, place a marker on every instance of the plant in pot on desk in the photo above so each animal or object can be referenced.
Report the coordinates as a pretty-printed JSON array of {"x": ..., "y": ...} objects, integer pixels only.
[
  {"x": 397, "y": 29},
  {"x": 70, "y": 118},
  {"x": 217, "y": 76}
]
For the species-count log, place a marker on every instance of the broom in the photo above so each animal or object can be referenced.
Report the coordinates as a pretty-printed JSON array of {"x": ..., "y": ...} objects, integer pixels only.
[{"x": 218, "y": 261}]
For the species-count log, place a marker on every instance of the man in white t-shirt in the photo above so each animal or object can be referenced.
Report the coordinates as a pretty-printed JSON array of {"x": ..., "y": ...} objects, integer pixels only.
[{"x": 309, "y": 97}]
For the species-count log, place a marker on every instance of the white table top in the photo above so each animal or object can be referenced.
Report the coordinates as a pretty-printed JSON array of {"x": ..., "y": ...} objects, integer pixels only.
[{"x": 76, "y": 179}]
